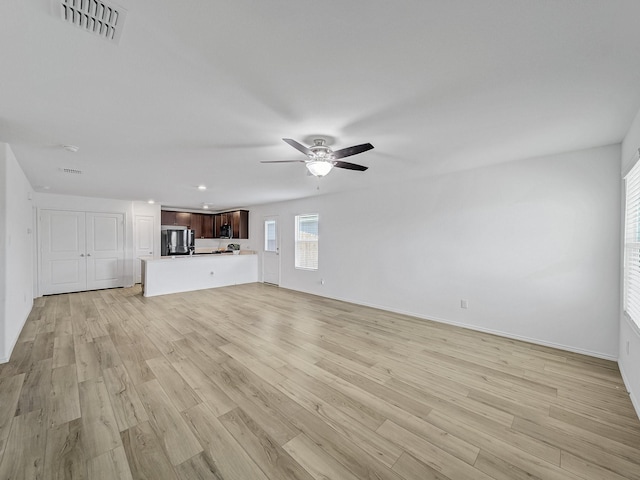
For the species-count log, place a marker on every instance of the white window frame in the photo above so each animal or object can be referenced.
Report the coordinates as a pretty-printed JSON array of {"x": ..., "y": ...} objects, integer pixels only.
[
  {"x": 306, "y": 262},
  {"x": 631, "y": 268}
]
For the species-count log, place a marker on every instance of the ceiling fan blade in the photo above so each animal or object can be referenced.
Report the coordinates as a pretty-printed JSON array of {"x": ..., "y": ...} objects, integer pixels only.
[
  {"x": 298, "y": 146},
  {"x": 282, "y": 161},
  {"x": 347, "y": 152},
  {"x": 350, "y": 166}
]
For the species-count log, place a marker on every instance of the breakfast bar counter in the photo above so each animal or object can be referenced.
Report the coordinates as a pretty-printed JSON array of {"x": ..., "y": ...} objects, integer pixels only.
[{"x": 185, "y": 273}]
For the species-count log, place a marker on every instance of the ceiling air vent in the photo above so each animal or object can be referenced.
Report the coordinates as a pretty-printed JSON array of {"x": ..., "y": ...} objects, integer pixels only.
[
  {"x": 72, "y": 171},
  {"x": 94, "y": 16}
]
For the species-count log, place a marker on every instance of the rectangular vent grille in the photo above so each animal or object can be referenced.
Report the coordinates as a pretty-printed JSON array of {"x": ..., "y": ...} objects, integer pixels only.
[
  {"x": 71, "y": 171},
  {"x": 94, "y": 16}
]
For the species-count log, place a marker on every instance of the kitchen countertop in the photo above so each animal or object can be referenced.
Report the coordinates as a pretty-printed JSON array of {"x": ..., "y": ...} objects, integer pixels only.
[{"x": 198, "y": 256}]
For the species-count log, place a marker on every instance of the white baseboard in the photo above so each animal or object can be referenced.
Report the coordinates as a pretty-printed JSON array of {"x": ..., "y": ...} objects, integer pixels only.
[
  {"x": 499, "y": 333},
  {"x": 15, "y": 340},
  {"x": 634, "y": 400}
]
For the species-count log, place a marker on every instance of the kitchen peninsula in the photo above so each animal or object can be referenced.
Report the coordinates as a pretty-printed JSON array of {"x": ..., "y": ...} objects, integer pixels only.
[{"x": 185, "y": 273}]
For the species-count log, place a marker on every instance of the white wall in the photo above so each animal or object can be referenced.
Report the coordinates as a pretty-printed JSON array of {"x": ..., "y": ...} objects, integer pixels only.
[
  {"x": 51, "y": 201},
  {"x": 629, "y": 356},
  {"x": 16, "y": 251},
  {"x": 532, "y": 245}
]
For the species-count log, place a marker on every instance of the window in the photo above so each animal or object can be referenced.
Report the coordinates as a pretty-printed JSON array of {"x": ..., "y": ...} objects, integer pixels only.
[
  {"x": 307, "y": 241},
  {"x": 632, "y": 245},
  {"x": 270, "y": 236}
]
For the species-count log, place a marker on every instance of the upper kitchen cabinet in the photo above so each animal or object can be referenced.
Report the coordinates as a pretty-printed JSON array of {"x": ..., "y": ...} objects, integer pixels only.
[
  {"x": 196, "y": 225},
  {"x": 167, "y": 217},
  {"x": 207, "y": 226},
  {"x": 182, "y": 219},
  {"x": 219, "y": 219},
  {"x": 240, "y": 224},
  {"x": 239, "y": 221}
]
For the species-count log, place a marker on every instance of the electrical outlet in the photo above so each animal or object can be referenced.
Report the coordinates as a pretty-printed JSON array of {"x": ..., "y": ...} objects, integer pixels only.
[{"x": 464, "y": 304}]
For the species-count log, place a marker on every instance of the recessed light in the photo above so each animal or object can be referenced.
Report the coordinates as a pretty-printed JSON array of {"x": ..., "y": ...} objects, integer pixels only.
[
  {"x": 151, "y": 202},
  {"x": 202, "y": 187},
  {"x": 205, "y": 206},
  {"x": 71, "y": 148}
]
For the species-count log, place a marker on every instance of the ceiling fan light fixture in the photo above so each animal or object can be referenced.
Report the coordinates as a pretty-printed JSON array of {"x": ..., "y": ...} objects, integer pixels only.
[{"x": 319, "y": 168}]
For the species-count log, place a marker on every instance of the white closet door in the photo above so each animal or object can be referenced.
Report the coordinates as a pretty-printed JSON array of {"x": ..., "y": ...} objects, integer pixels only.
[
  {"x": 105, "y": 250},
  {"x": 144, "y": 234},
  {"x": 64, "y": 266}
]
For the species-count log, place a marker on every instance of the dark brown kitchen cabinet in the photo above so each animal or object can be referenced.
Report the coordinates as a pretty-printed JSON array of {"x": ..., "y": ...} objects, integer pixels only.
[
  {"x": 207, "y": 226},
  {"x": 239, "y": 221},
  {"x": 183, "y": 219},
  {"x": 167, "y": 217},
  {"x": 240, "y": 224},
  {"x": 219, "y": 220},
  {"x": 196, "y": 225}
]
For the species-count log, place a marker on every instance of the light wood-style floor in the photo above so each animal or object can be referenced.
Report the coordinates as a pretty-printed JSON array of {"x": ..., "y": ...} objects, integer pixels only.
[{"x": 256, "y": 382}]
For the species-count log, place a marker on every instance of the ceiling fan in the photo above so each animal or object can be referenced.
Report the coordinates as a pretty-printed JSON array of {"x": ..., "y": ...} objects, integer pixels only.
[{"x": 322, "y": 159}]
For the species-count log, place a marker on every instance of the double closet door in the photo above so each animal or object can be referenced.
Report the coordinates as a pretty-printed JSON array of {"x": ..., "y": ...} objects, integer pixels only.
[{"x": 80, "y": 251}]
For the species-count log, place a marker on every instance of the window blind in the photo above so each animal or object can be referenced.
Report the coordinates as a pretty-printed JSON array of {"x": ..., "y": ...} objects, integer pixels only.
[
  {"x": 632, "y": 245},
  {"x": 306, "y": 241}
]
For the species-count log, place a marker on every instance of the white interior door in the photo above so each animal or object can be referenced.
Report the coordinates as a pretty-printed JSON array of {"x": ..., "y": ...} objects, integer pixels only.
[
  {"x": 105, "y": 250},
  {"x": 271, "y": 253},
  {"x": 144, "y": 233},
  {"x": 62, "y": 250}
]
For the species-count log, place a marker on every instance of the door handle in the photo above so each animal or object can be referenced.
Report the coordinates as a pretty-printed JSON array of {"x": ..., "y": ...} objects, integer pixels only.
[
  {"x": 82, "y": 254},
  {"x": 88, "y": 254}
]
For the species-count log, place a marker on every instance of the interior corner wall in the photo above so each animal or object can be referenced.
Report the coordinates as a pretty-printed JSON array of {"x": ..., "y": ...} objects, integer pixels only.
[
  {"x": 629, "y": 340},
  {"x": 533, "y": 246},
  {"x": 16, "y": 251}
]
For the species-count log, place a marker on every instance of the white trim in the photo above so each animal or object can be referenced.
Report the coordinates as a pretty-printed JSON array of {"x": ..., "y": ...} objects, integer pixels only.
[
  {"x": 15, "y": 340},
  {"x": 634, "y": 401},
  {"x": 634, "y": 326},
  {"x": 635, "y": 330}
]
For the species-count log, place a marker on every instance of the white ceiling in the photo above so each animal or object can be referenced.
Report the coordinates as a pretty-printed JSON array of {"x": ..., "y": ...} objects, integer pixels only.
[{"x": 199, "y": 91}]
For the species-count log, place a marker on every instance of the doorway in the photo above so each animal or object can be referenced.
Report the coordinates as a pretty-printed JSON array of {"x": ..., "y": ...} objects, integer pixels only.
[{"x": 144, "y": 234}]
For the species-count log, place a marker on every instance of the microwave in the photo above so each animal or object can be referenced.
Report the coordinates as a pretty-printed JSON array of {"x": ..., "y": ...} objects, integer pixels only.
[{"x": 226, "y": 231}]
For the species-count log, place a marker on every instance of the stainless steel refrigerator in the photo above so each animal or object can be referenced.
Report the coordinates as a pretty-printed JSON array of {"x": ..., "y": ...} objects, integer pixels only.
[{"x": 178, "y": 242}]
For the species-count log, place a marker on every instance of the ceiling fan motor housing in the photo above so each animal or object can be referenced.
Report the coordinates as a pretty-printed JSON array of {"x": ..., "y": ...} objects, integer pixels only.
[{"x": 321, "y": 151}]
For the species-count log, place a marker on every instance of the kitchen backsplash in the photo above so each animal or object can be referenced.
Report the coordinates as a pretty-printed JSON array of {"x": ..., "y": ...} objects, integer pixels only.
[{"x": 220, "y": 243}]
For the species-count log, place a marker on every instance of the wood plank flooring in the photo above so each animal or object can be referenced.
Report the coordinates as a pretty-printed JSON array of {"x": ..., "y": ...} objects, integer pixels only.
[{"x": 256, "y": 382}]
